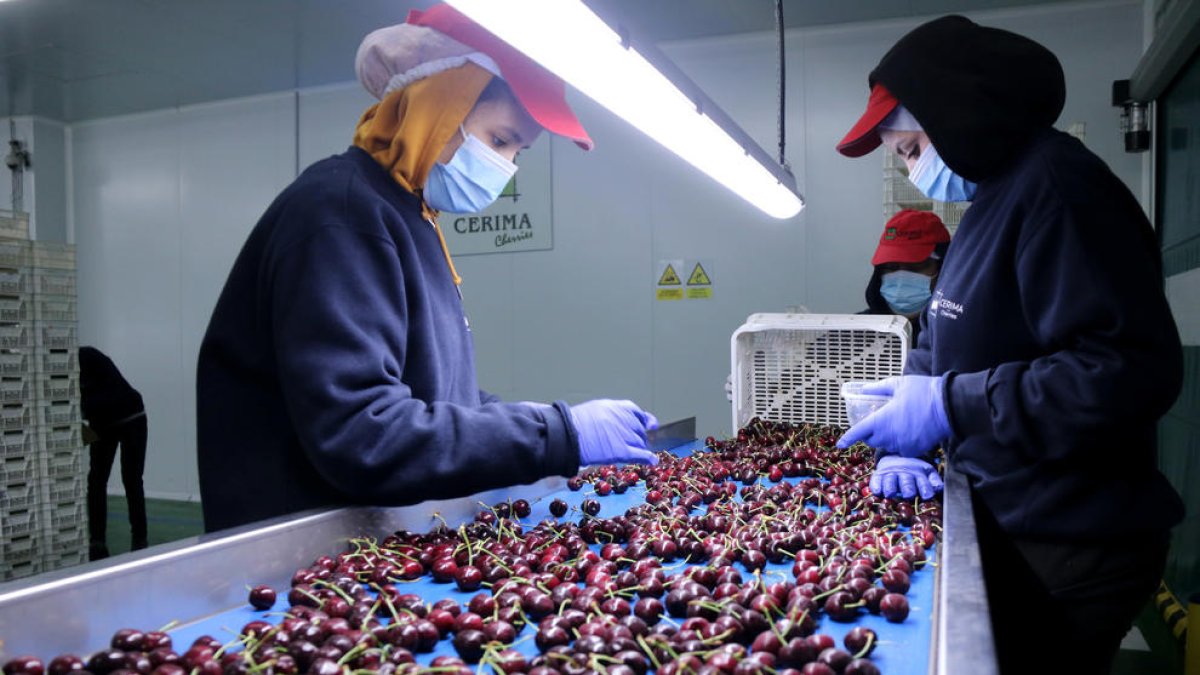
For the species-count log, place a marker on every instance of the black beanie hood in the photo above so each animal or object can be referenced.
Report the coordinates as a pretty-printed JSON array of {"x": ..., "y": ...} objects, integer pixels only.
[{"x": 981, "y": 94}]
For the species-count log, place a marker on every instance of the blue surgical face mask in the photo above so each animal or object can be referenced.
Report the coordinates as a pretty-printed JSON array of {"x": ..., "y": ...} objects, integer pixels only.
[
  {"x": 933, "y": 178},
  {"x": 471, "y": 181},
  {"x": 906, "y": 292}
]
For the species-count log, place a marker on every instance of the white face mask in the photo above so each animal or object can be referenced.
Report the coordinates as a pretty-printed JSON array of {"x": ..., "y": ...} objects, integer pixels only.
[{"x": 471, "y": 181}]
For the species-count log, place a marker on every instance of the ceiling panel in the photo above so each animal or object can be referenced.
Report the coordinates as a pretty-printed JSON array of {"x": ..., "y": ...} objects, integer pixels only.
[{"x": 73, "y": 60}]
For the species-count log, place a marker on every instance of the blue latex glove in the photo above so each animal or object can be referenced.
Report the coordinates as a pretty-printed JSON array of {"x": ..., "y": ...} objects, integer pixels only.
[
  {"x": 897, "y": 476},
  {"x": 613, "y": 432},
  {"x": 911, "y": 424}
]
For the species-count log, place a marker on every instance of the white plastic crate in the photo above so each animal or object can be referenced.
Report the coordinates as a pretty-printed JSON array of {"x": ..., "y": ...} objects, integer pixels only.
[
  {"x": 20, "y": 549},
  {"x": 16, "y": 389},
  {"x": 15, "y": 335},
  {"x": 15, "y": 307},
  {"x": 56, "y": 361},
  {"x": 57, "y": 308},
  {"x": 15, "y": 362},
  {"x": 61, "y": 464},
  {"x": 53, "y": 256},
  {"x": 63, "y": 515},
  {"x": 16, "y": 416},
  {"x": 58, "y": 413},
  {"x": 19, "y": 469},
  {"x": 19, "y": 496},
  {"x": 56, "y": 334},
  {"x": 60, "y": 540},
  {"x": 64, "y": 489},
  {"x": 14, "y": 224},
  {"x": 67, "y": 437},
  {"x": 790, "y": 367},
  {"x": 56, "y": 560},
  {"x": 16, "y": 254},
  {"x": 53, "y": 281},
  {"x": 20, "y": 569},
  {"x": 15, "y": 280},
  {"x": 57, "y": 387},
  {"x": 18, "y": 443},
  {"x": 18, "y": 523}
]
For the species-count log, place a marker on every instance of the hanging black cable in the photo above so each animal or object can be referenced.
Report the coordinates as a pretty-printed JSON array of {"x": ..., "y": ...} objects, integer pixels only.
[{"x": 782, "y": 79}]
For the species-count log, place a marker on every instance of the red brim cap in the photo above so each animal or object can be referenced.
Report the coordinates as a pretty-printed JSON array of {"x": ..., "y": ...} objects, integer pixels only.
[
  {"x": 541, "y": 92},
  {"x": 907, "y": 253},
  {"x": 910, "y": 236},
  {"x": 864, "y": 137}
]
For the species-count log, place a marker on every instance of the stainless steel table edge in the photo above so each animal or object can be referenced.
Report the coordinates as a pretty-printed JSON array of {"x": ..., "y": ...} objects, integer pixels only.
[
  {"x": 76, "y": 610},
  {"x": 963, "y": 634}
]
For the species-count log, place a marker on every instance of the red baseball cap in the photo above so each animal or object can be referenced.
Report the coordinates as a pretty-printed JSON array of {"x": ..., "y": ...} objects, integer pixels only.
[
  {"x": 541, "y": 92},
  {"x": 910, "y": 237},
  {"x": 864, "y": 136}
]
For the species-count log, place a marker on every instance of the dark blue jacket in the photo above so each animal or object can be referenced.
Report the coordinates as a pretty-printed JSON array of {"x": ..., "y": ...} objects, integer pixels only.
[
  {"x": 1048, "y": 318},
  {"x": 338, "y": 366}
]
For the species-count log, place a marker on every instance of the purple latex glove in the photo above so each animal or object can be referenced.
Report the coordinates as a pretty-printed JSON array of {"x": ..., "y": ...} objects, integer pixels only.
[
  {"x": 911, "y": 424},
  {"x": 613, "y": 432},
  {"x": 906, "y": 477}
]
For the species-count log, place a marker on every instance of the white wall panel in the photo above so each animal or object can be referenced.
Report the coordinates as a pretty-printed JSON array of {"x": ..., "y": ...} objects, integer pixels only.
[
  {"x": 163, "y": 204},
  {"x": 126, "y": 192}
]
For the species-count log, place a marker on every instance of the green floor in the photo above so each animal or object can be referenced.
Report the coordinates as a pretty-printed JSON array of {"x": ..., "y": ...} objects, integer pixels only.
[
  {"x": 1157, "y": 651},
  {"x": 166, "y": 521}
]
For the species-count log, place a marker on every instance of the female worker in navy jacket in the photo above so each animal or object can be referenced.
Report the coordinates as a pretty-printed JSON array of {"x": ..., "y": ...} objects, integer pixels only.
[
  {"x": 1048, "y": 353},
  {"x": 338, "y": 366}
]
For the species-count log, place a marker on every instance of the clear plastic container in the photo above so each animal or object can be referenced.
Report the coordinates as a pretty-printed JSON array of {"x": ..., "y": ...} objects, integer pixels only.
[{"x": 858, "y": 404}]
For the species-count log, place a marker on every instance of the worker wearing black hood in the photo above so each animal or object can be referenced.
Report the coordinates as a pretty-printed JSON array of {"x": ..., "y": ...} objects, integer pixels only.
[{"x": 1048, "y": 353}]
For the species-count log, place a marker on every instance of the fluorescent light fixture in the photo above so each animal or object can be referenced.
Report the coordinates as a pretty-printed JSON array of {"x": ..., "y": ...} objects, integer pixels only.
[{"x": 569, "y": 40}]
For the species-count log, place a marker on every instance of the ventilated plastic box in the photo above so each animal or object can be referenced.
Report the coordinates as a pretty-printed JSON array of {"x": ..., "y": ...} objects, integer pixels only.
[
  {"x": 15, "y": 254},
  {"x": 15, "y": 362},
  {"x": 18, "y": 443},
  {"x": 16, "y": 307},
  {"x": 58, "y": 308},
  {"x": 15, "y": 416},
  {"x": 18, "y": 496},
  {"x": 57, "y": 387},
  {"x": 18, "y": 469},
  {"x": 58, "y": 413},
  {"x": 16, "y": 389},
  {"x": 18, "y": 523},
  {"x": 66, "y": 437},
  {"x": 14, "y": 224},
  {"x": 53, "y": 256},
  {"x": 56, "y": 361},
  {"x": 15, "y": 335},
  {"x": 53, "y": 281},
  {"x": 15, "y": 280},
  {"x": 790, "y": 367}
]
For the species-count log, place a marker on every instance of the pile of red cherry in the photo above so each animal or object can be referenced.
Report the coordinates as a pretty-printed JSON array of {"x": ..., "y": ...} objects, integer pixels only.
[{"x": 673, "y": 585}]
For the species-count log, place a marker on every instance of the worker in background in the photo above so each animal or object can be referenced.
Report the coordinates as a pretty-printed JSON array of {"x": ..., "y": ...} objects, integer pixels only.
[
  {"x": 338, "y": 365},
  {"x": 1048, "y": 352},
  {"x": 907, "y": 262},
  {"x": 115, "y": 416}
]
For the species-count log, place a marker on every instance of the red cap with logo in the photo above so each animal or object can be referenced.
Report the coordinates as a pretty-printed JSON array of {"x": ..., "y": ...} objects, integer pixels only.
[
  {"x": 863, "y": 137},
  {"x": 541, "y": 92},
  {"x": 910, "y": 237}
]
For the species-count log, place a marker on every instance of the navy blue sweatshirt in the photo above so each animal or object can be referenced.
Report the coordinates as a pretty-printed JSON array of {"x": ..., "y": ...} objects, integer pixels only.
[
  {"x": 338, "y": 366},
  {"x": 106, "y": 397},
  {"x": 1048, "y": 318}
]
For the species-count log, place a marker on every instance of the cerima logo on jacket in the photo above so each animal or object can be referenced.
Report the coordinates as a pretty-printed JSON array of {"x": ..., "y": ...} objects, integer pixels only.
[{"x": 942, "y": 306}]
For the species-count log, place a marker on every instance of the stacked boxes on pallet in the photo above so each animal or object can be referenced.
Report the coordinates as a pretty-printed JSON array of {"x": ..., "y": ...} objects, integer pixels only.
[{"x": 43, "y": 513}]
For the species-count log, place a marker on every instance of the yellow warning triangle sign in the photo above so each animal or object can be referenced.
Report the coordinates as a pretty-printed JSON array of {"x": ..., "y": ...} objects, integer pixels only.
[
  {"x": 669, "y": 277},
  {"x": 699, "y": 277}
]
